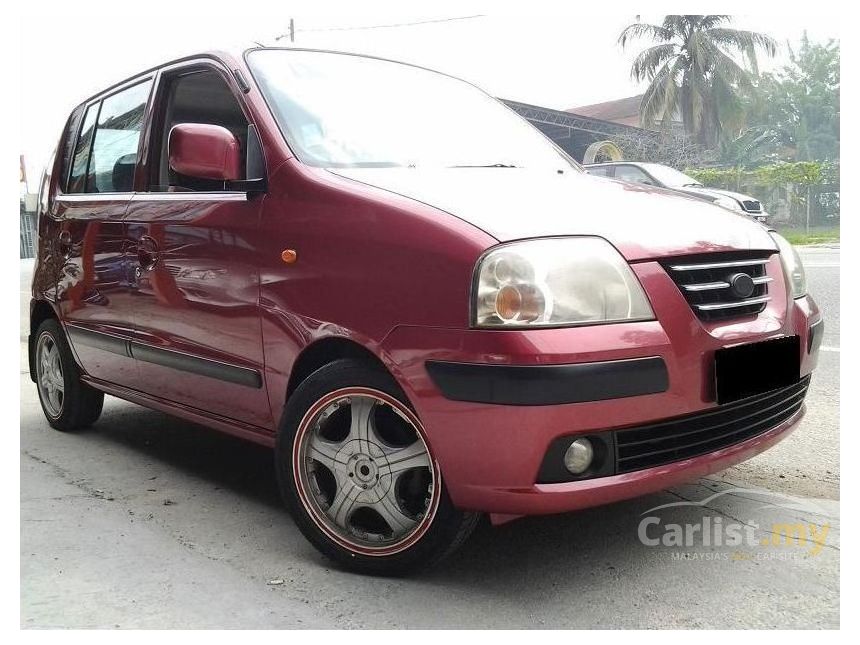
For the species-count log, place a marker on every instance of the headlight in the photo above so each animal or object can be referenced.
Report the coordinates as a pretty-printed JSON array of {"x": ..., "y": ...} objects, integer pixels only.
[
  {"x": 728, "y": 202},
  {"x": 556, "y": 282},
  {"x": 792, "y": 265}
]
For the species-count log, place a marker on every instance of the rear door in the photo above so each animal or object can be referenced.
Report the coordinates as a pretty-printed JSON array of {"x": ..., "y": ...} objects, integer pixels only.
[
  {"x": 91, "y": 242},
  {"x": 196, "y": 282}
]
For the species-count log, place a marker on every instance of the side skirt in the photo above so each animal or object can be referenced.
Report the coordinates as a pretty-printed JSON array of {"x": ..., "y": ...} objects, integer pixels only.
[{"x": 222, "y": 424}]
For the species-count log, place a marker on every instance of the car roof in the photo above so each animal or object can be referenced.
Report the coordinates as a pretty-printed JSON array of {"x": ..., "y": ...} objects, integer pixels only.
[{"x": 239, "y": 52}]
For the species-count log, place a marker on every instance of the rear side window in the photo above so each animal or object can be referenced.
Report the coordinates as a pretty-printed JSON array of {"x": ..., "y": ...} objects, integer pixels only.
[
  {"x": 601, "y": 171},
  {"x": 106, "y": 150},
  {"x": 632, "y": 173},
  {"x": 114, "y": 155},
  {"x": 78, "y": 175}
]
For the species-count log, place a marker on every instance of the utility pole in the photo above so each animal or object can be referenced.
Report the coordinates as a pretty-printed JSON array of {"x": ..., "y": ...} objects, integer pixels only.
[{"x": 291, "y": 32}]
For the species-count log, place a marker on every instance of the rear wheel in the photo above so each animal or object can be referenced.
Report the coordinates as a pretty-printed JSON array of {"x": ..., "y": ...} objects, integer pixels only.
[
  {"x": 67, "y": 402},
  {"x": 357, "y": 471}
]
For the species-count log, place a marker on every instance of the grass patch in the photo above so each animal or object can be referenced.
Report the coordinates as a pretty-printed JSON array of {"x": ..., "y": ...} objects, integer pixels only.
[{"x": 799, "y": 236}]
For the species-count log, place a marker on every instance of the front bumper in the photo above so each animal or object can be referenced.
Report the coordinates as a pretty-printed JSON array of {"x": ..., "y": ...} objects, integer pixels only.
[{"x": 491, "y": 453}]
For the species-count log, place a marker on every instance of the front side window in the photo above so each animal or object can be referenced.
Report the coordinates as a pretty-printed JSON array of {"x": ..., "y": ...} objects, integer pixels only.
[
  {"x": 114, "y": 151},
  {"x": 194, "y": 96},
  {"x": 338, "y": 110}
]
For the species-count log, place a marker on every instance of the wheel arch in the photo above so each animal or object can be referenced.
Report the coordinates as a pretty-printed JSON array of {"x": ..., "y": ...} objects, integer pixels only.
[
  {"x": 40, "y": 311},
  {"x": 327, "y": 350}
]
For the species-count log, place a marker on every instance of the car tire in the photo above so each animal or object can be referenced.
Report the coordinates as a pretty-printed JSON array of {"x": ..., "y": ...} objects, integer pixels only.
[
  {"x": 356, "y": 471},
  {"x": 68, "y": 403}
]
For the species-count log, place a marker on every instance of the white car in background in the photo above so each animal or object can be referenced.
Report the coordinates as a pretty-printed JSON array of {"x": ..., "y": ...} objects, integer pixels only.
[{"x": 654, "y": 174}]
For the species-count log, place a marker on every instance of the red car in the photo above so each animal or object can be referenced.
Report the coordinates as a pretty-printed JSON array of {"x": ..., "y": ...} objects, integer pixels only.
[{"x": 425, "y": 307}]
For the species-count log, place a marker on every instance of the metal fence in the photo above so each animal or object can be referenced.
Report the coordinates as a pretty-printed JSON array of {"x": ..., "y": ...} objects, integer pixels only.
[{"x": 28, "y": 233}]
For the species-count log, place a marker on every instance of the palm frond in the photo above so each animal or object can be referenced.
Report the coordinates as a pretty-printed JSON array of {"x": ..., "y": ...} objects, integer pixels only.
[
  {"x": 725, "y": 67},
  {"x": 746, "y": 42},
  {"x": 641, "y": 30},
  {"x": 709, "y": 22},
  {"x": 661, "y": 97},
  {"x": 646, "y": 64}
]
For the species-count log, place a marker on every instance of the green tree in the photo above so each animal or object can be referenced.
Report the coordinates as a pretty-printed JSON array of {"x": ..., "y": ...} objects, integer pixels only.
[
  {"x": 751, "y": 147},
  {"x": 801, "y": 102},
  {"x": 692, "y": 72}
]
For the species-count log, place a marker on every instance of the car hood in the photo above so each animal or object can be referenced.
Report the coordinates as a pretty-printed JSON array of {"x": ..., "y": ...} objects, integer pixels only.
[{"x": 512, "y": 203}]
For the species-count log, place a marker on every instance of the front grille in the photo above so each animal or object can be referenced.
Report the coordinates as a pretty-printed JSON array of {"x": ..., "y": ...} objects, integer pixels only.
[
  {"x": 706, "y": 282},
  {"x": 752, "y": 206},
  {"x": 704, "y": 432}
]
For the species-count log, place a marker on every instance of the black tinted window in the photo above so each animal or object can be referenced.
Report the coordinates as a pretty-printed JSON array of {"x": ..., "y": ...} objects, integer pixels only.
[
  {"x": 78, "y": 175},
  {"x": 632, "y": 173},
  {"x": 114, "y": 155}
]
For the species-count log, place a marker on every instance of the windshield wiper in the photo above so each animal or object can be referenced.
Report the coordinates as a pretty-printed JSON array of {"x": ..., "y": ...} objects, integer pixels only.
[
  {"x": 488, "y": 165},
  {"x": 692, "y": 185}
]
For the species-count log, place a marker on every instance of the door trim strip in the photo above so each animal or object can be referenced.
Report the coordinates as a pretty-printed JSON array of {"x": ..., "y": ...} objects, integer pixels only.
[
  {"x": 100, "y": 340},
  {"x": 166, "y": 357},
  {"x": 196, "y": 365}
]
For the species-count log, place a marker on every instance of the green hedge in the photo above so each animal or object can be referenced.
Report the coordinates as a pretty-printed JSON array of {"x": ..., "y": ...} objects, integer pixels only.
[{"x": 799, "y": 172}]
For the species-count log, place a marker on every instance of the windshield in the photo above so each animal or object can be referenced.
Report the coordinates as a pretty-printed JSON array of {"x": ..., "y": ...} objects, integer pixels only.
[
  {"x": 669, "y": 176},
  {"x": 338, "y": 110}
]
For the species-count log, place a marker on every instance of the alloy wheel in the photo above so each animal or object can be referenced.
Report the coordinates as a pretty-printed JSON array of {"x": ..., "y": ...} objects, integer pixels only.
[
  {"x": 49, "y": 375},
  {"x": 364, "y": 472}
]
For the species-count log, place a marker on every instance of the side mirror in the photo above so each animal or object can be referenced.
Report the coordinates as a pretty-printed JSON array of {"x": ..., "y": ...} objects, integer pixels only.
[{"x": 204, "y": 151}]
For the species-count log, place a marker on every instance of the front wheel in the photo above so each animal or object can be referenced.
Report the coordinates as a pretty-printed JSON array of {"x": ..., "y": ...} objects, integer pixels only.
[{"x": 356, "y": 469}]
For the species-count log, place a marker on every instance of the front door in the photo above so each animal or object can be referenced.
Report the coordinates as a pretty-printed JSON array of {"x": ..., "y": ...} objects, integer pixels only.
[
  {"x": 91, "y": 242},
  {"x": 196, "y": 282}
]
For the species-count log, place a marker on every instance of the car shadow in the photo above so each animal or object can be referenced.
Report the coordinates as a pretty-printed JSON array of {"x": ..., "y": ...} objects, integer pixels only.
[
  {"x": 224, "y": 461},
  {"x": 597, "y": 541}
]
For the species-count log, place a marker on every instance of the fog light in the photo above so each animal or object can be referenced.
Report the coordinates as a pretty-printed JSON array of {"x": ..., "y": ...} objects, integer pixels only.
[{"x": 578, "y": 457}]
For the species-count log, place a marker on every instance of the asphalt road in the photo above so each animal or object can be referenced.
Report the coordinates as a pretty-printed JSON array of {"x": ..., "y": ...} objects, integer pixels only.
[{"x": 148, "y": 521}]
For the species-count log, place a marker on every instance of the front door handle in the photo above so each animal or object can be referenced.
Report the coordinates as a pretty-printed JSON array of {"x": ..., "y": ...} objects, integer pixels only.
[{"x": 147, "y": 253}]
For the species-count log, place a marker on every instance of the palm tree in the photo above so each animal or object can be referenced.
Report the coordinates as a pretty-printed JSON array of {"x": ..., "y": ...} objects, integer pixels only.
[{"x": 691, "y": 71}]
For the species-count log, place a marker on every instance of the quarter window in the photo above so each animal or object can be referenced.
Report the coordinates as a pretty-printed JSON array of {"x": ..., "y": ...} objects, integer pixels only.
[{"x": 78, "y": 175}]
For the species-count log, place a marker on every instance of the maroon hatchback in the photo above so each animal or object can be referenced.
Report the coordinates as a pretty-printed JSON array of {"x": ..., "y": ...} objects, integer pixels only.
[{"x": 423, "y": 305}]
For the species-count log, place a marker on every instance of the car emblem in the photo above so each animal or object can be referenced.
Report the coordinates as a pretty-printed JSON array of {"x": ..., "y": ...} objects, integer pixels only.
[{"x": 742, "y": 285}]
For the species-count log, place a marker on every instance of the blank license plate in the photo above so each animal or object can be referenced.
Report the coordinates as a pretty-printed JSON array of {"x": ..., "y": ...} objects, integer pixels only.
[{"x": 747, "y": 370}]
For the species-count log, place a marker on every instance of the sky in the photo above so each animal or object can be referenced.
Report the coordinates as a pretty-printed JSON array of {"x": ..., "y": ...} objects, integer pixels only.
[{"x": 557, "y": 61}]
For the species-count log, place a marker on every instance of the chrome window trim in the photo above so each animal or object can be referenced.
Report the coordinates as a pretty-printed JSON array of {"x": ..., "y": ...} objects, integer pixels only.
[
  {"x": 72, "y": 198},
  {"x": 190, "y": 196}
]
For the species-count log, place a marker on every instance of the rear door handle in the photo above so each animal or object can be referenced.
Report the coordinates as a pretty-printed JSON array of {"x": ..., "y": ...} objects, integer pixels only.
[
  {"x": 64, "y": 244},
  {"x": 147, "y": 253}
]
